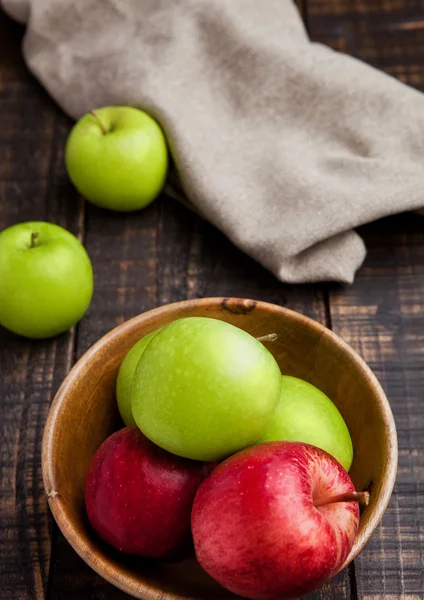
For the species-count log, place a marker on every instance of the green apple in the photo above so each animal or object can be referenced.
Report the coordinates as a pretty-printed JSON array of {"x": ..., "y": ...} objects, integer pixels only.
[
  {"x": 305, "y": 414},
  {"x": 46, "y": 279},
  {"x": 204, "y": 389},
  {"x": 125, "y": 378},
  {"x": 117, "y": 158}
]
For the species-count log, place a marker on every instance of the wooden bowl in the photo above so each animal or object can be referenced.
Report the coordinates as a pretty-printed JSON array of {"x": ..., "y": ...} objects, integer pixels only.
[{"x": 84, "y": 413}]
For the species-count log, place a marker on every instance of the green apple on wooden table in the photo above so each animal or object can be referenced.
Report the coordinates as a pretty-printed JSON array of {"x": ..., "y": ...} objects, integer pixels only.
[
  {"x": 46, "y": 279},
  {"x": 126, "y": 375},
  {"x": 117, "y": 158},
  {"x": 305, "y": 414}
]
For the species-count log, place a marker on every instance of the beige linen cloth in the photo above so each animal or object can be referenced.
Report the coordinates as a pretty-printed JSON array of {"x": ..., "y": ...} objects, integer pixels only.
[{"x": 283, "y": 144}]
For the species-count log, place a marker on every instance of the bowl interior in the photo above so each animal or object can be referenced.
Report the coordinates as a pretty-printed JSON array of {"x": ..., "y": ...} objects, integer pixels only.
[{"x": 84, "y": 413}]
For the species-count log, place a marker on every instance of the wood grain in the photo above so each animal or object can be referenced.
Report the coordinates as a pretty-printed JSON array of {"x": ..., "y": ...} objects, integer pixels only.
[
  {"x": 31, "y": 188},
  {"x": 386, "y": 34},
  {"x": 382, "y": 316}
]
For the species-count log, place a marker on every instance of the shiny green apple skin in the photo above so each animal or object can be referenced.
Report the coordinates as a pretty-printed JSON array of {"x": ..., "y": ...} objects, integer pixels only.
[
  {"x": 305, "y": 414},
  {"x": 204, "y": 389},
  {"x": 125, "y": 378},
  {"x": 45, "y": 287},
  {"x": 122, "y": 167}
]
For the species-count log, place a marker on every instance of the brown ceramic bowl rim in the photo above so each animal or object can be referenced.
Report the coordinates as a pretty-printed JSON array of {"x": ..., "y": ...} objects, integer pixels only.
[{"x": 107, "y": 569}]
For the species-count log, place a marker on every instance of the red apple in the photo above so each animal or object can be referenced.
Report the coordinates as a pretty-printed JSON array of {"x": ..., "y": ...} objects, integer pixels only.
[
  {"x": 276, "y": 520},
  {"x": 139, "y": 497}
]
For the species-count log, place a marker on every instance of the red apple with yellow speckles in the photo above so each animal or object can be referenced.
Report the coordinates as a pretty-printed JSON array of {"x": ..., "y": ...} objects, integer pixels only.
[
  {"x": 139, "y": 497},
  {"x": 276, "y": 520}
]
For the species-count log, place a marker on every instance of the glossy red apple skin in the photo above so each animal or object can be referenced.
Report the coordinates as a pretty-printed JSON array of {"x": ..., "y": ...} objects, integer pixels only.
[
  {"x": 256, "y": 529},
  {"x": 139, "y": 497}
]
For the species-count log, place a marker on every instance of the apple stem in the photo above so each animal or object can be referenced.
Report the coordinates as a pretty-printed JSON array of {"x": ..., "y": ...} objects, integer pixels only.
[
  {"x": 99, "y": 121},
  {"x": 362, "y": 497},
  {"x": 271, "y": 337},
  {"x": 34, "y": 236}
]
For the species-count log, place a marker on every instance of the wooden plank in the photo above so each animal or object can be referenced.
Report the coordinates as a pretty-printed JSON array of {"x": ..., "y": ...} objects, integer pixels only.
[
  {"x": 382, "y": 314},
  {"x": 31, "y": 188},
  {"x": 382, "y": 317},
  {"x": 388, "y": 35}
]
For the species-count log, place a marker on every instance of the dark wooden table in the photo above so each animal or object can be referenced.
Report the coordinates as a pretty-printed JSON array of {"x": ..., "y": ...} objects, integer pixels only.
[{"x": 164, "y": 254}]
